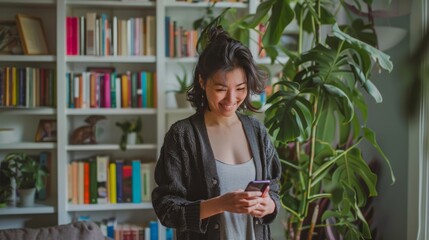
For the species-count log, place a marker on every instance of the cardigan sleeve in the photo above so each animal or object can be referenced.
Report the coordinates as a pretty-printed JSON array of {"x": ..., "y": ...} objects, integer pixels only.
[
  {"x": 273, "y": 172},
  {"x": 169, "y": 196}
]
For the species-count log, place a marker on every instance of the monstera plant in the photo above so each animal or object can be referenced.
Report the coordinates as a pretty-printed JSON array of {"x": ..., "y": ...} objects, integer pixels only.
[{"x": 317, "y": 114}]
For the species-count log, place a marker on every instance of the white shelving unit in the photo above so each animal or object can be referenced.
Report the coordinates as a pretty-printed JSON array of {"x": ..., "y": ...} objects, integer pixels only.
[{"x": 155, "y": 120}]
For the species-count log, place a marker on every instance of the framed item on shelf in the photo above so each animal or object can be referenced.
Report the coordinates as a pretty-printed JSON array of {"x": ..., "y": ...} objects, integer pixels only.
[
  {"x": 46, "y": 131},
  {"x": 32, "y": 34},
  {"x": 9, "y": 38}
]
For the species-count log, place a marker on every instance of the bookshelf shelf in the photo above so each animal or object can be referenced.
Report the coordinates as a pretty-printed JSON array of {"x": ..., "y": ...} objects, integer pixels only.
[
  {"x": 27, "y": 111},
  {"x": 109, "y": 207},
  {"x": 107, "y": 111},
  {"x": 28, "y": 145},
  {"x": 179, "y": 110},
  {"x": 36, "y": 209},
  {"x": 111, "y": 59},
  {"x": 116, "y": 4},
  {"x": 182, "y": 60},
  {"x": 98, "y": 147},
  {"x": 27, "y": 2},
  {"x": 207, "y": 4},
  {"x": 27, "y": 58}
]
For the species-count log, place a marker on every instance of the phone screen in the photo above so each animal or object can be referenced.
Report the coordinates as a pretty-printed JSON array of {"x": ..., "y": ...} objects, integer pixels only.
[{"x": 258, "y": 185}]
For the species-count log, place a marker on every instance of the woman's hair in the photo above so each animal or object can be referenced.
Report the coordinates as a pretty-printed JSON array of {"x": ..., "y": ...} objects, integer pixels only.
[{"x": 223, "y": 53}]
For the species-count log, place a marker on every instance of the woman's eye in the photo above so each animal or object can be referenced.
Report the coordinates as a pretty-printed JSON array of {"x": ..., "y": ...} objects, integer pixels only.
[{"x": 241, "y": 89}]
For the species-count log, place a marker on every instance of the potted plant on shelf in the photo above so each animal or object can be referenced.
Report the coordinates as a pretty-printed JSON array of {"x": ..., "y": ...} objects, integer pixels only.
[
  {"x": 317, "y": 115},
  {"x": 28, "y": 174},
  {"x": 5, "y": 184},
  {"x": 130, "y": 132},
  {"x": 183, "y": 86}
]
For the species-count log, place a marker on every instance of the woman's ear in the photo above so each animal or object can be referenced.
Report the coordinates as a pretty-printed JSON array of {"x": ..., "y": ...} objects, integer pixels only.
[{"x": 200, "y": 80}]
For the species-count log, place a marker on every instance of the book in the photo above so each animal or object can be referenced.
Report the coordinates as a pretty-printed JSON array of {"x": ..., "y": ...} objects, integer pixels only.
[
  {"x": 136, "y": 181},
  {"x": 150, "y": 36},
  {"x": 119, "y": 181},
  {"x": 102, "y": 169},
  {"x": 146, "y": 180},
  {"x": 127, "y": 182},
  {"x": 86, "y": 182},
  {"x": 153, "y": 225},
  {"x": 80, "y": 182},
  {"x": 93, "y": 180},
  {"x": 112, "y": 182},
  {"x": 45, "y": 163},
  {"x": 74, "y": 196}
]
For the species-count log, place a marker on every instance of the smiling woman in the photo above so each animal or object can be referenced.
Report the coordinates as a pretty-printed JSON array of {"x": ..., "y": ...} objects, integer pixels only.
[{"x": 208, "y": 159}]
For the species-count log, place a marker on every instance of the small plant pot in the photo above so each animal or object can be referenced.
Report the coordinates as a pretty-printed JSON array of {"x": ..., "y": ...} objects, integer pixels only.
[
  {"x": 27, "y": 196},
  {"x": 132, "y": 138},
  {"x": 3, "y": 205},
  {"x": 181, "y": 100}
]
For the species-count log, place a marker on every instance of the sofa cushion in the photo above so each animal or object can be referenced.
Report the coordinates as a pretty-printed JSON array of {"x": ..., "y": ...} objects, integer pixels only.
[{"x": 72, "y": 231}]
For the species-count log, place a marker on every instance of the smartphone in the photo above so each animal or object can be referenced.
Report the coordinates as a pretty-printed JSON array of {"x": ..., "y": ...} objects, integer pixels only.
[{"x": 258, "y": 185}]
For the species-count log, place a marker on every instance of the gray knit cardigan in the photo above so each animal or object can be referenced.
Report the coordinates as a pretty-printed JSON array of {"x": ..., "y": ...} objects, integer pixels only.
[{"x": 186, "y": 173}]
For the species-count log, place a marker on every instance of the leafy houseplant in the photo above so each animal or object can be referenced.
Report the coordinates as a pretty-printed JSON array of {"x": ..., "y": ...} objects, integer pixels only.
[
  {"x": 27, "y": 172},
  {"x": 317, "y": 117},
  {"x": 128, "y": 128},
  {"x": 183, "y": 86}
]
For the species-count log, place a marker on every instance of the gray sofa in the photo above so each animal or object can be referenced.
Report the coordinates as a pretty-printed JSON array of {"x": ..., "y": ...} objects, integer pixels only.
[{"x": 72, "y": 231}]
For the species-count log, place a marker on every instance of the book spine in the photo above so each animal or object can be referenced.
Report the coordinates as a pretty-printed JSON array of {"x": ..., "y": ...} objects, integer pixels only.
[
  {"x": 127, "y": 182},
  {"x": 136, "y": 181},
  {"x": 102, "y": 170},
  {"x": 86, "y": 182},
  {"x": 93, "y": 180},
  {"x": 119, "y": 181},
  {"x": 112, "y": 182}
]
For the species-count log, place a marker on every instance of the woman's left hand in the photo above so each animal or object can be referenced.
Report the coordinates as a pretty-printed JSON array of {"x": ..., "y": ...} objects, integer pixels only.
[{"x": 264, "y": 207}]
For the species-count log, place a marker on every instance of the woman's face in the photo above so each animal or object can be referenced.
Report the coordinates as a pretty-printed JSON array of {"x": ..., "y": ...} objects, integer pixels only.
[{"x": 225, "y": 91}]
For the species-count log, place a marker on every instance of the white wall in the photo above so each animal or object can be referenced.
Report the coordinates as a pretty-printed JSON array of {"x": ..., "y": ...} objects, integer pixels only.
[{"x": 389, "y": 122}]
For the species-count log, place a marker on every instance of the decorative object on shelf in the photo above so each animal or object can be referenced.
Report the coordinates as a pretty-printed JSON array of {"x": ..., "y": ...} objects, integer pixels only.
[
  {"x": 86, "y": 134},
  {"x": 130, "y": 132},
  {"x": 8, "y": 135},
  {"x": 32, "y": 34},
  {"x": 28, "y": 174},
  {"x": 46, "y": 131},
  {"x": 9, "y": 38},
  {"x": 180, "y": 92}
]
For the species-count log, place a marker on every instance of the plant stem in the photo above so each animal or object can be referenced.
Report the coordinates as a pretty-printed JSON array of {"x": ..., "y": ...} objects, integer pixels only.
[
  {"x": 313, "y": 222},
  {"x": 298, "y": 229}
]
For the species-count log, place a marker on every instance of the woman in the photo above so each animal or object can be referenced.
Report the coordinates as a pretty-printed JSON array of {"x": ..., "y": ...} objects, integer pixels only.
[{"x": 208, "y": 159}]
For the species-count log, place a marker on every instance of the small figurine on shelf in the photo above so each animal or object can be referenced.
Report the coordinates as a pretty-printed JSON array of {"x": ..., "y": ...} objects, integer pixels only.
[
  {"x": 130, "y": 133},
  {"x": 86, "y": 134}
]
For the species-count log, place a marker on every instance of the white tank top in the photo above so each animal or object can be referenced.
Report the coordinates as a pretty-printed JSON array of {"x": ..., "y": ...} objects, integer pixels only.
[{"x": 234, "y": 226}]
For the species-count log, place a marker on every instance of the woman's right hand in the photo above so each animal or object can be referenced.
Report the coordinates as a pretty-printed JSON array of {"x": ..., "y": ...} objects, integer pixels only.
[
  {"x": 236, "y": 202},
  {"x": 240, "y": 201}
]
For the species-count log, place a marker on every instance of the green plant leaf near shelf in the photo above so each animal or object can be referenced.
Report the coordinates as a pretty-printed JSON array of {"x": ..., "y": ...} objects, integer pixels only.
[
  {"x": 127, "y": 127},
  {"x": 27, "y": 172}
]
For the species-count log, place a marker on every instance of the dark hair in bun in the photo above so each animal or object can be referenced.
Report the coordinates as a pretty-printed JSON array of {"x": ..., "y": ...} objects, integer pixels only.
[{"x": 220, "y": 52}]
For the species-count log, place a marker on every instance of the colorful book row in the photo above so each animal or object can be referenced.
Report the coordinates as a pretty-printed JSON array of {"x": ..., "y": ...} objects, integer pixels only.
[
  {"x": 99, "y": 180},
  {"x": 27, "y": 87},
  {"x": 111, "y": 90},
  {"x": 179, "y": 42},
  {"x": 99, "y": 35},
  {"x": 125, "y": 231}
]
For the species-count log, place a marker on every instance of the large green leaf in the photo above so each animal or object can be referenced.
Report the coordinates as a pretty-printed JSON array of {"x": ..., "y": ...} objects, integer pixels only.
[
  {"x": 382, "y": 58},
  {"x": 261, "y": 13},
  {"x": 281, "y": 16},
  {"x": 370, "y": 136},
  {"x": 351, "y": 168}
]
